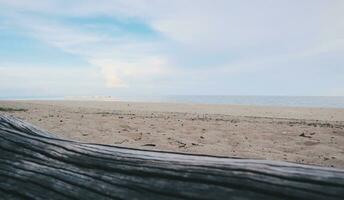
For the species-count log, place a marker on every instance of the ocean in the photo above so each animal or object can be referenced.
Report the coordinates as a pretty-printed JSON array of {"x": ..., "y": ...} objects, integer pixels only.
[{"x": 287, "y": 101}]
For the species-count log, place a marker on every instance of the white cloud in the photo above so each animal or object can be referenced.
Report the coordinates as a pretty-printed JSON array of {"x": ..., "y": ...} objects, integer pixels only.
[
  {"x": 250, "y": 35},
  {"x": 216, "y": 25},
  {"x": 119, "y": 59},
  {"x": 115, "y": 71}
]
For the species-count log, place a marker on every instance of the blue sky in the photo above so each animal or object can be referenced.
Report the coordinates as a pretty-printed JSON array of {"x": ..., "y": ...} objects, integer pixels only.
[{"x": 161, "y": 47}]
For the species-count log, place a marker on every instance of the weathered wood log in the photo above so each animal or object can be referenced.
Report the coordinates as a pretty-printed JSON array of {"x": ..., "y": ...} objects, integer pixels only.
[{"x": 35, "y": 164}]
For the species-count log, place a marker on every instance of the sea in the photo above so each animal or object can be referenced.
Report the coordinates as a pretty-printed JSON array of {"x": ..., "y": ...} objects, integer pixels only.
[{"x": 285, "y": 101}]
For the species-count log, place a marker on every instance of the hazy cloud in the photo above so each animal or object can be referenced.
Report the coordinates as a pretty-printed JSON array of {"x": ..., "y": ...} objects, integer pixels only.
[{"x": 203, "y": 38}]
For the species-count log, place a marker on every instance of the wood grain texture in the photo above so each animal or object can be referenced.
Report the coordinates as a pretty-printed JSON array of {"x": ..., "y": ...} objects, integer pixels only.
[{"x": 35, "y": 164}]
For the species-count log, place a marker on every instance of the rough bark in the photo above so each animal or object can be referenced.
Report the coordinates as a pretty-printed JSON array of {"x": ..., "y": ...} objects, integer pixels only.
[{"x": 35, "y": 164}]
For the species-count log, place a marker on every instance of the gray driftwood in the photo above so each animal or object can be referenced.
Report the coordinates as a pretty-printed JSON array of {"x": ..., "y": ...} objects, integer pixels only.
[{"x": 37, "y": 165}]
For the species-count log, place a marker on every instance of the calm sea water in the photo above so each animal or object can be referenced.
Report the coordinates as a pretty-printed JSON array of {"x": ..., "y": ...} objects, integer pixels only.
[
  {"x": 293, "y": 101},
  {"x": 289, "y": 101}
]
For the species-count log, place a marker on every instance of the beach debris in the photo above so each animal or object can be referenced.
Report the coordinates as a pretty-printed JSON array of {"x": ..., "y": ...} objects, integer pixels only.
[
  {"x": 5, "y": 109},
  {"x": 61, "y": 120},
  {"x": 304, "y": 135},
  {"x": 181, "y": 144},
  {"x": 149, "y": 145},
  {"x": 121, "y": 142},
  {"x": 202, "y": 137}
]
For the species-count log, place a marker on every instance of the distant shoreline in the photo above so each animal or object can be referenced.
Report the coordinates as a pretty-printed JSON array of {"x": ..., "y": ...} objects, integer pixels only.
[{"x": 274, "y": 101}]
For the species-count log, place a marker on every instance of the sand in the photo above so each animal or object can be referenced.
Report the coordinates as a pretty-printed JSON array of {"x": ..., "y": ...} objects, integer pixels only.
[{"x": 302, "y": 135}]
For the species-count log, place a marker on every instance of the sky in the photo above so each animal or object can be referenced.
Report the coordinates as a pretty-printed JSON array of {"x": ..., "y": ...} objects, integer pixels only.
[{"x": 56, "y": 48}]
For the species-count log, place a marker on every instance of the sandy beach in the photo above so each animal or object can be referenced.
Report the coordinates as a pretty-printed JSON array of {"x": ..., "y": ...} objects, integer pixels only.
[{"x": 302, "y": 135}]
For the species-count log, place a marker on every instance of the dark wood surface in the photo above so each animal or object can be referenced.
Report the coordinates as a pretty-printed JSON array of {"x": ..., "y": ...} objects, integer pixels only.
[{"x": 35, "y": 164}]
